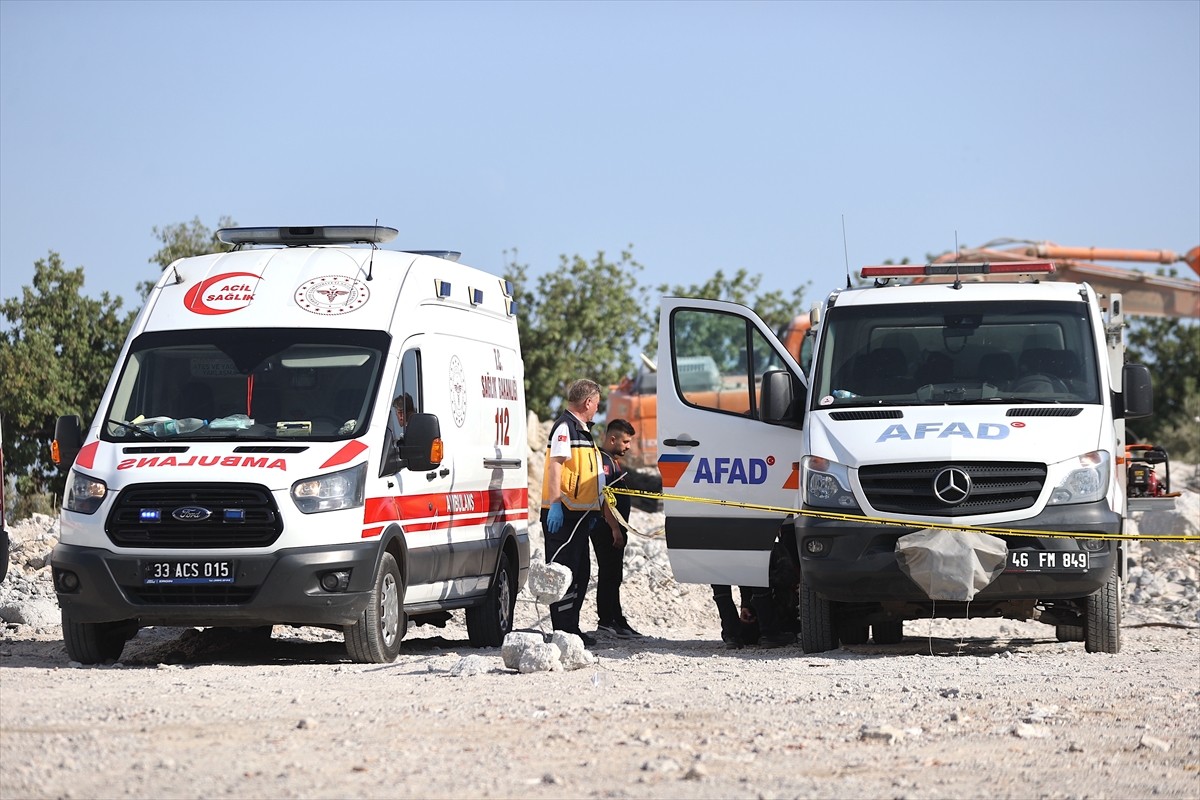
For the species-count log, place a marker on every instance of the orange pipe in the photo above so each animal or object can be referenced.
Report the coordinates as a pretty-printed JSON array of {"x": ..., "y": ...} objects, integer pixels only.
[{"x": 1102, "y": 254}]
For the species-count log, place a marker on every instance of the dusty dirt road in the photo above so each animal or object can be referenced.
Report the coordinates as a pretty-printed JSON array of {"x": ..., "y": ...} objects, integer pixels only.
[
  {"x": 981, "y": 708},
  {"x": 1002, "y": 714}
]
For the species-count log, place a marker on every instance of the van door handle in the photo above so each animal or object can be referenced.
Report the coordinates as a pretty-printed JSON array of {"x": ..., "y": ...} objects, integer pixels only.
[
  {"x": 502, "y": 463},
  {"x": 681, "y": 443}
]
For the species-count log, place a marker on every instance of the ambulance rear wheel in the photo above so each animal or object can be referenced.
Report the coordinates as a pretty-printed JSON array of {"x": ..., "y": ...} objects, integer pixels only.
[
  {"x": 96, "y": 642},
  {"x": 853, "y": 633},
  {"x": 1102, "y": 623},
  {"x": 888, "y": 632},
  {"x": 375, "y": 637},
  {"x": 488, "y": 624},
  {"x": 1068, "y": 633},
  {"x": 817, "y": 633}
]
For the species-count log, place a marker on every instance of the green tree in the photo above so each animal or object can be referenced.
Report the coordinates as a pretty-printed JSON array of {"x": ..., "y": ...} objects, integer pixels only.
[
  {"x": 1171, "y": 348},
  {"x": 580, "y": 321},
  {"x": 56, "y": 353},
  {"x": 184, "y": 240}
]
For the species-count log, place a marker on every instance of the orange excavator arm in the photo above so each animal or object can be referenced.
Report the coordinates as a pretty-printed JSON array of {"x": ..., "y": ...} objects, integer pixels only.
[{"x": 1145, "y": 294}]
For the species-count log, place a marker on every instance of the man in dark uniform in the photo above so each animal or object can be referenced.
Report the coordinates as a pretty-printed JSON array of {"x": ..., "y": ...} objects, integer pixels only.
[{"x": 609, "y": 541}]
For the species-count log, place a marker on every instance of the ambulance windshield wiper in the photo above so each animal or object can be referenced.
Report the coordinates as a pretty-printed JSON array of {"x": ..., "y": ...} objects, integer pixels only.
[
  {"x": 134, "y": 428},
  {"x": 1006, "y": 399}
]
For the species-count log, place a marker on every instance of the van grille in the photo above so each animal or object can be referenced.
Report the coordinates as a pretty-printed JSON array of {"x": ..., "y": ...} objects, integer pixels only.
[
  {"x": 995, "y": 487},
  {"x": 240, "y": 515}
]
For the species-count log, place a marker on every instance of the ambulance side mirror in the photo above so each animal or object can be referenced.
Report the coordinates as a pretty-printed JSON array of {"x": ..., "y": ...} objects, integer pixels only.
[
  {"x": 421, "y": 449},
  {"x": 1137, "y": 394},
  {"x": 68, "y": 439}
]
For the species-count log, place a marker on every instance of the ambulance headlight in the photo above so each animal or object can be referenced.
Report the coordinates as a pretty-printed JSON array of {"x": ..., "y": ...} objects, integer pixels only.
[
  {"x": 826, "y": 483},
  {"x": 84, "y": 493},
  {"x": 1079, "y": 480},
  {"x": 331, "y": 492}
]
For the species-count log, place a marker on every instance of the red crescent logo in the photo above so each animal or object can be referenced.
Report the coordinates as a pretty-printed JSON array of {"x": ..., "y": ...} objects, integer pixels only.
[{"x": 195, "y": 302}]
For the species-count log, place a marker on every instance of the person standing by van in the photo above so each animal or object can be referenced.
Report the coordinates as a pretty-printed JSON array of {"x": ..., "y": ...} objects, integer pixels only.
[
  {"x": 571, "y": 499},
  {"x": 610, "y": 542}
]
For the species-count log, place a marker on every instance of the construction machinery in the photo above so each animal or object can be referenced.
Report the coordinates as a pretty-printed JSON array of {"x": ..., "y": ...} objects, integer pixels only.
[{"x": 1145, "y": 294}]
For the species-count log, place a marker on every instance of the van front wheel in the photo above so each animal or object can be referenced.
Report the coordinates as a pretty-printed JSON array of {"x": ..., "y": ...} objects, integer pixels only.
[
  {"x": 488, "y": 624},
  {"x": 1102, "y": 620},
  {"x": 817, "y": 634},
  {"x": 375, "y": 637}
]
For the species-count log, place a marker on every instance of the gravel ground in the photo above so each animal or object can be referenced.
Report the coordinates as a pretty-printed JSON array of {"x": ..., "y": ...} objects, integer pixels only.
[{"x": 962, "y": 708}]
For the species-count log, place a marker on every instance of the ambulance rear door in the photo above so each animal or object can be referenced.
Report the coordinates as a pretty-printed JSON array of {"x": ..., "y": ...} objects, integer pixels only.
[{"x": 713, "y": 446}]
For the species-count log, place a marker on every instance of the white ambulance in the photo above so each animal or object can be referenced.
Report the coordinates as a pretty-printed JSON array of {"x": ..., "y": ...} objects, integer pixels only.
[
  {"x": 961, "y": 403},
  {"x": 305, "y": 430}
]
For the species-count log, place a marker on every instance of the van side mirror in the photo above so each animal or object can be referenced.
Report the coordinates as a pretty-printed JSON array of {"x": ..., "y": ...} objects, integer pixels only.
[
  {"x": 1138, "y": 393},
  {"x": 780, "y": 398},
  {"x": 421, "y": 448},
  {"x": 68, "y": 440}
]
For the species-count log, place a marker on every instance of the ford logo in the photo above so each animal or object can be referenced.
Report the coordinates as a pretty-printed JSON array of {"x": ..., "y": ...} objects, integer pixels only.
[{"x": 191, "y": 514}]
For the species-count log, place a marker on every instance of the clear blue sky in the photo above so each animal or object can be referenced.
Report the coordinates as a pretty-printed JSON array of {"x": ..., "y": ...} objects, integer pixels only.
[{"x": 707, "y": 135}]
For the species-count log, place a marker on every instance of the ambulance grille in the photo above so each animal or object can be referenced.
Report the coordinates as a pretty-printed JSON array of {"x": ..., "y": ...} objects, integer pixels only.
[
  {"x": 192, "y": 595},
  {"x": 995, "y": 487},
  {"x": 240, "y": 515}
]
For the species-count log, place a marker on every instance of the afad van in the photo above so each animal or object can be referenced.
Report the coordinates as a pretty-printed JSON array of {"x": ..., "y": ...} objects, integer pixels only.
[
  {"x": 307, "y": 430},
  {"x": 985, "y": 396}
]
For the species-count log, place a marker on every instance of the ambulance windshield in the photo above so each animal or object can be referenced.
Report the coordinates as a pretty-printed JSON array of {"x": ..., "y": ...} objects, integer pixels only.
[
  {"x": 1039, "y": 352},
  {"x": 279, "y": 383}
]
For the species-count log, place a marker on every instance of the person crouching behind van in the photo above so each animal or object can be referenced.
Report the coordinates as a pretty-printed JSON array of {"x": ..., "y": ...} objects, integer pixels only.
[{"x": 571, "y": 499}]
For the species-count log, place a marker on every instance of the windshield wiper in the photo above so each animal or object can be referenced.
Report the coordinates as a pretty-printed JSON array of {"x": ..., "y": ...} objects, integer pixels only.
[
  {"x": 133, "y": 428},
  {"x": 1025, "y": 400}
]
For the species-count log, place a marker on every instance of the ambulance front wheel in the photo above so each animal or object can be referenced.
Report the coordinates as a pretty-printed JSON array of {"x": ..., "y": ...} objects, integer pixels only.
[
  {"x": 488, "y": 624},
  {"x": 96, "y": 642},
  {"x": 375, "y": 638}
]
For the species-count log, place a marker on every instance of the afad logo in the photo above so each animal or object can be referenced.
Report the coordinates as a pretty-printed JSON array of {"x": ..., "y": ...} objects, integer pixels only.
[
  {"x": 719, "y": 470},
  {"x": 222, "y": 294},
  {"x": 938, "y": 430}
]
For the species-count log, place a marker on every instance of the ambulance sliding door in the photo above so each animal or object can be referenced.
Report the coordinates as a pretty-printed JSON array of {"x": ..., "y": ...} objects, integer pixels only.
[{"x": 711, "y": 444}]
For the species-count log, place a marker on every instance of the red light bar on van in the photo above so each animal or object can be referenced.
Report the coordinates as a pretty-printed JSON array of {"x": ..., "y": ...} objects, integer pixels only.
[
  {"x": 1003, "y": 268},
  {"x": 309, "y": 234}
]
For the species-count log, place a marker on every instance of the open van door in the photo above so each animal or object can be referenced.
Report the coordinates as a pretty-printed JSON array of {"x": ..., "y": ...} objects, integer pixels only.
[{"x": 722, "y": 438}]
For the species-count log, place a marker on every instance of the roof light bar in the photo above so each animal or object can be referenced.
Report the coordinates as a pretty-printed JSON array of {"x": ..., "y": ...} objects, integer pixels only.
[
  {"x": 301, "y": 235},
  {"x": 1003, "y": 268},
  {"x": 448, "y": 255}
]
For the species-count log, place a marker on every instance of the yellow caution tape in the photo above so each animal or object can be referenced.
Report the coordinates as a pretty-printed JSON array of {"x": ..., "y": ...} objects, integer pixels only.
[
  {"x": 610, "y": 493},
  {"x": 611, "y": 498}
]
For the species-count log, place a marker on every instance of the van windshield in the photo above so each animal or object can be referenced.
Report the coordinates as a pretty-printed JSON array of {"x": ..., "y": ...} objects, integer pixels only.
[
  {"x": 259, "y": 383},
  {"x": 1039, "y": 352}
]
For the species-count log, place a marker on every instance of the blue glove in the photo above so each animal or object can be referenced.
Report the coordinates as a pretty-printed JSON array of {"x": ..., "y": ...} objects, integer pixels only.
[{"x": 554, "y": 518}]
